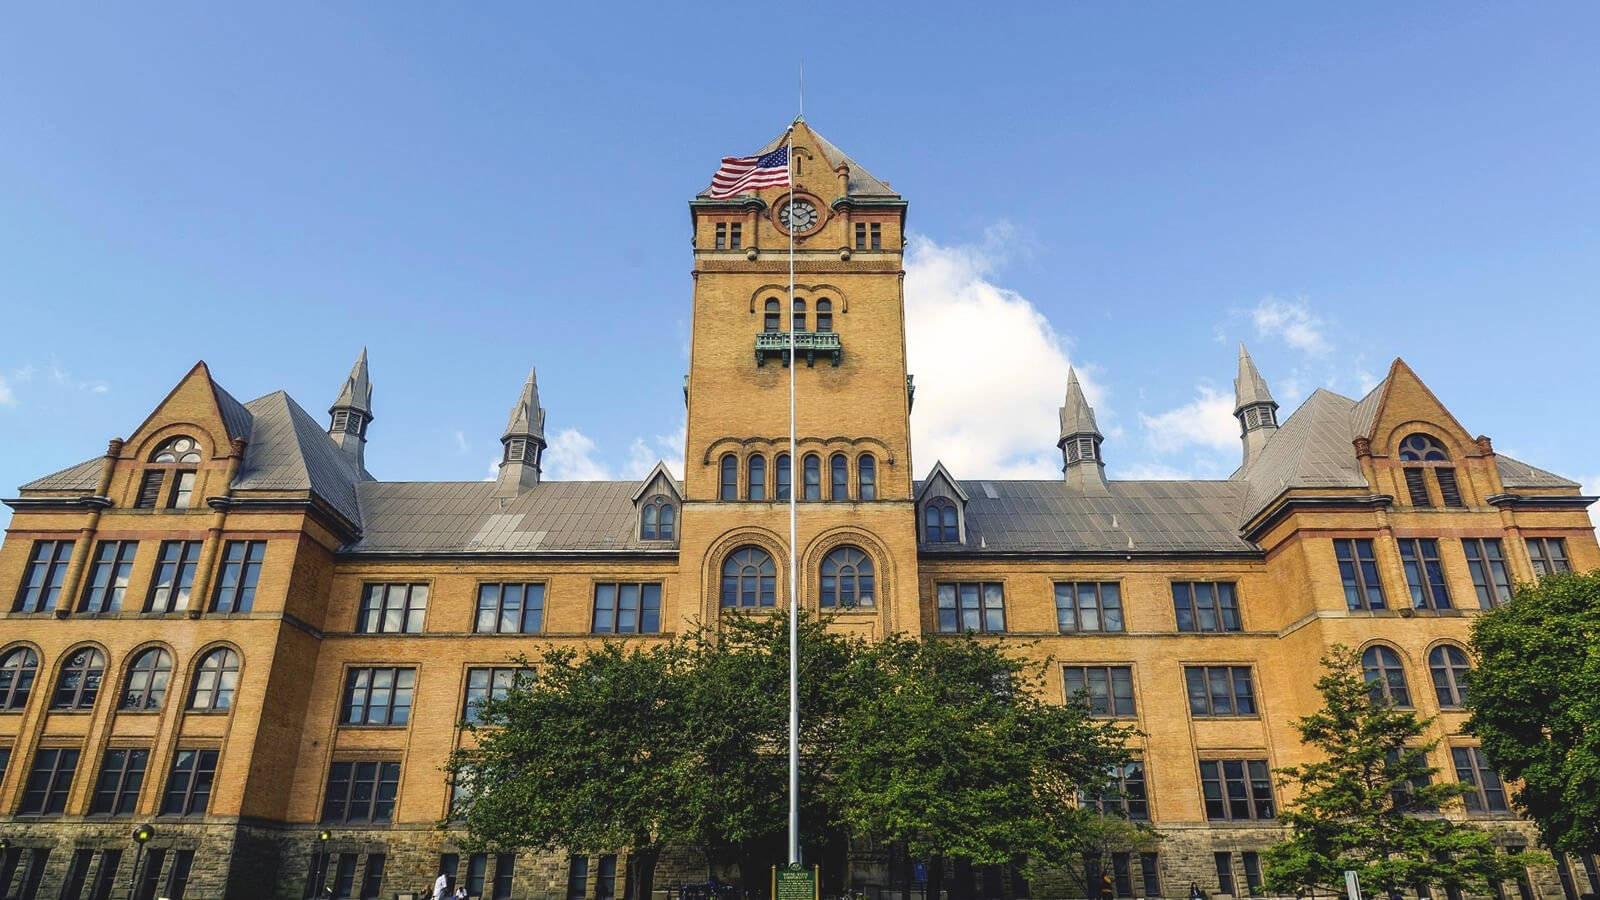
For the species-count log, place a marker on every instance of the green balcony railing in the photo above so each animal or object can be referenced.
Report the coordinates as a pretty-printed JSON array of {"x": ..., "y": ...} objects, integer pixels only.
[{"x": 807, "y": 344}]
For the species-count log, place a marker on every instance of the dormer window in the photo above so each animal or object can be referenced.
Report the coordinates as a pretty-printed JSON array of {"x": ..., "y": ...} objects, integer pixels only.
[
  {"x": 940, "y": 525},
  {"x": 658, "y": 520},
  {"x": 1422, "y": 448},
  {"x": 1420, "y": 452},
  {"x": 176, "y": 455}
]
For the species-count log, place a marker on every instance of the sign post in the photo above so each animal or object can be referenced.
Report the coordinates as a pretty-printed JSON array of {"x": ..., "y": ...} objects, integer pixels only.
[
  {"x": 1352, "y": 885},
  {"x": 795, "y": 882}
]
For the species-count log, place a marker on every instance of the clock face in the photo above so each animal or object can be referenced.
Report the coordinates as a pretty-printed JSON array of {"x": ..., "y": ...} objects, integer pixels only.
[{"x": 798, "y": 216}]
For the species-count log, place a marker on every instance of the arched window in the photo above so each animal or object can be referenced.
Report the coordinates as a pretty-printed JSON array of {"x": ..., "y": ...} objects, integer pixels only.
[
  {"x": 180, "y": 449},
  {"x": 847, "y": 579},
  {"x": 756, "y": 478},
  {"x": 824, "y": 316},
  {"x": 214, "y": 680},
  {"x": 939, "y": 522},
  {"x": 839, "y": 477},
  {"x": 1450, "y": 668},
  {"x": 178, "y": 453},
  {"x": 656, "y": 519},
  {"x": 867, "y": 477},
  {"x": 1386, "y": 679},
  {"x": 799, "y": 314},
  {"x": 749, "y": 578},
  {"x": 17, "y": 671},
  {"x": 147, "y": 681},
  {"x": 730, "y": 477},
  {"x": 1422, "y": 448},
  {"x": 80, "y": 678},
  {"x": 813, "y": 478},
  {"x": 784, "y": 478},
  {"x": 772, "y": 320}
]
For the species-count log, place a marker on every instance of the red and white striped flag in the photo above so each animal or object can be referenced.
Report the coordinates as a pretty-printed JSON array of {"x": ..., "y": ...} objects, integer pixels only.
[{"x": 743, "y": 173}]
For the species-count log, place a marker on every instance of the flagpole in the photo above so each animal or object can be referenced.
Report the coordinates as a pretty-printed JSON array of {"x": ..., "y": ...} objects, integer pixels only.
[{"x": 796, "y": 480}]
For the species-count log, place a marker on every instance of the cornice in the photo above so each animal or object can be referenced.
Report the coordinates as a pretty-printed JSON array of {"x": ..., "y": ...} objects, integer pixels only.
[
  {"x": 1534, "y": 501},
  {"x": 1256, "y": 528},
  {"x": 22, "y": 504}
]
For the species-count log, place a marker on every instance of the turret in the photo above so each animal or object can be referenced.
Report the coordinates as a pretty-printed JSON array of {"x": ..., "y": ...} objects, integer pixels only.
[
  {"x": 523, "y": 443},
  {"x": 352, "y": 412},
  {"x": 1080, "y": 441},
  {"x": 1253, "y": 406}
]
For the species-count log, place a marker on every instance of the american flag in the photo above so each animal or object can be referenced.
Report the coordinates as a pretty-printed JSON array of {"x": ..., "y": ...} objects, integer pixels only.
[{"x": 743, "y": 173}]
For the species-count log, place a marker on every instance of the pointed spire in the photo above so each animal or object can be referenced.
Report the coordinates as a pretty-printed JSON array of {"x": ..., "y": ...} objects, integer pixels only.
[
  {"x": 1253, "y": 406},
  {"x": 523, "y": 443},
  {"x": 1080, "y": 440},
  {"x": 352, "y": 411}
]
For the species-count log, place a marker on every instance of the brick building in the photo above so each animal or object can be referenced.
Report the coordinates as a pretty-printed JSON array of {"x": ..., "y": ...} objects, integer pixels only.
[{"x": 226, "y": 627}]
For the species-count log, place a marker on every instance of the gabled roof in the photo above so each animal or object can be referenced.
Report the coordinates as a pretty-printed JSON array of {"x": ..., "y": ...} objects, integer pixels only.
[
  {"x": 861, "y": 182},
  {"x": 940, "y": 473},
  {"x": 289, "y": 451},
  {"x": 660, "y": 474}
]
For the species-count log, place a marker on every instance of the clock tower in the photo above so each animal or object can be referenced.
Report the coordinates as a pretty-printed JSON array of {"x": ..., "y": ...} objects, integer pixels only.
[{"x": 852, "y": 468}]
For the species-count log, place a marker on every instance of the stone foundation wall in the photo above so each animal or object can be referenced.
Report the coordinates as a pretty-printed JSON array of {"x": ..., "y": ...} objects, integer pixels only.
[{"x": 263, "y": 862}]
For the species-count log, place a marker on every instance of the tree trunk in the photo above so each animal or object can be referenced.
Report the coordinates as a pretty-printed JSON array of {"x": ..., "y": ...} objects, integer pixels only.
[{"x": 642, "y": 872}]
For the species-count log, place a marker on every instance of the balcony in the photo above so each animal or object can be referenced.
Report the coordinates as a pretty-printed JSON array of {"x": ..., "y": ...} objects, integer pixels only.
[{"x": 775, "y": 344}]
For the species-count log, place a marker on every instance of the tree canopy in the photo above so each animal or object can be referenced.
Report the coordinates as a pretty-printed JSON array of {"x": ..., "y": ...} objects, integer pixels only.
[
  {"x": 1371, "y": 805},
  {"x": 944, "y": 744},
  {"x": 1535, "y": 700}
]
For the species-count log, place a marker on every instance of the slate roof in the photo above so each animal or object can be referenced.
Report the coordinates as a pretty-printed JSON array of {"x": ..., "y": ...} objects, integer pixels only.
[
  {"x": 861, "y": 183},
  {"x": 288, "y": 450},
  {"x": 84, "y": 476},
  {"x": 462, "y": 517},
  {"x": 1134, "y": 517}
]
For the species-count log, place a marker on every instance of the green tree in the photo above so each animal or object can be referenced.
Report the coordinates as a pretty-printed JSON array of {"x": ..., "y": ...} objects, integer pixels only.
[
  {"x": 1535, "y": 699},
  {"x": 585, "y": 757},
  {"x": 954, "y": 752},
  {"x": 1372, "y": 805}
]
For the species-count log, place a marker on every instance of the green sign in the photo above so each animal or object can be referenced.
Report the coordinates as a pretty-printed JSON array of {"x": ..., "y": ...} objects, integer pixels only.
[{"x": 794, "y": 883}]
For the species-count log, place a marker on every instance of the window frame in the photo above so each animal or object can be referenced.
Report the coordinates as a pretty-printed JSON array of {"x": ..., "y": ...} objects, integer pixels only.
[
  {"x": 658, "y": 519},
  {"x": 188, "y": 790},
  {"x": 381, "y": 768},
  {"x": 1221, "y": 609},
  {"x": 174, "y": 591},
  {"x": 498, "y": 681},
  {"x": 753, "y": 578},
  {"x": 1449, "y": 685},
  {"x": 616, "y": 610},
  {"x": 357, "y": 704},
  {"x": 90, "y": 677},
  {"x": 409, "y": 608},
  {"x": 1491, "y": 574},
  {"x": 949, "y": 532},
  {"x": 150, "y": 675},
  {"x": 20, "y": 679},
  {"x": 1360, "y": 574},
  {"x": 1249, "y": 779},
  {"x": 526, "y": 606},
  {"x": 1478, "y": 774},
  {"x": 867, "y": 477},
  {"x": 1105, "y": 603},
  {"x": 1113, "y": 702},
  {"x": 756, "y": 478},
  {"x": 56, "y": 783},
  {"x": 838, "y": 477},
  {"x": 1544, "y": 562},
  {"x": 220, "y": 692},
  {"x": 782, "y": 477},
  {"x": 811, "y": 477},
  {"x": 237, "y": 578},
  {"x": 1385, "y": 675},
  {"x": 121, "y": 795},
  {"x": 958, "y": 609},
  {"x": 861, "y": 573},
  {"x": 728, "y": 478},
  {"x": 1231, "y": 673},
  {"x": 1424, "y": 571},
  {"x": 105, "y": 587},
  {"x": 44, "y": 576}
]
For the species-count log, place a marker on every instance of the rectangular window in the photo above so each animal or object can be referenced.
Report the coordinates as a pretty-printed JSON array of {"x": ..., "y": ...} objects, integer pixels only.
[
  {"x": 1107, "y": 689},
  {"x": 1424, "y": 573},
  {"x": 108, "y": 576},
  {"x": 577, "y": 878},
  {"x": 477, "y": 873},
  {"x": 1549, "y": 556},
  {"x": 505, "y": 868},
  {"x": 735, "y": 236},
  {"x": 722, "y": 236},
  {"x": 178, "y": 875},
  {"x": 1206, "y": 606},
  {"x": 241, "y": 569},
  {"x": 77, "y": 874},
  {"x": 121, "y": 775},
  {"x": 971, "y": 606},
  {"x": 1220, "y": 690},
  {"x": 150, "y": 489},
  {"x": 1417, "y": 487},
  {"x": 182, "y": 491},
  {"x": 1252, "y": 871},
  {"x": 45, "y": 793},
  {"x": 377, "y": 696},
  {"x": 1088, "y": 606},
  {"x": 1150, "y": 871},
  {"x": 1124, "y": 794},
  {"x": 876, "y": 231},
  {"x": 1358, "y": 568},
  {"x": 861, "y": 235},
  {"x": 489, "y": 684},
  {"x": 189, "y": 785},
  {"x": 1449, "y": 491},
  {"x": 1403, "y": 793},
  {"x": 372, "y": 877},
  {"x": 174, "y": 577},
  {"x": 1121, "y": 875},
  {"x": 393, "y": 609},
  {"x": 1236, "y": 789},
  {"x": 361, "y": 792},
  {"x": 150, "y": 873},
  {"x": 1224, "y": 862},
  {"x": 1490, "y": 578},
  {"x": 41, "y": 580},
  {"x": 627, "y": 608},
  {"x": 344, "y": 875},
  {"x": 105, "y": 875},
  {"x": 1488, "y": 795},
  {"x": 510, "y": 608},
  {"x": 605, "y": 881}
]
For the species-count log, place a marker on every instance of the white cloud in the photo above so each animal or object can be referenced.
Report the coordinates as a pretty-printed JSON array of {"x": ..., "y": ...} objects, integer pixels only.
[
  {"x": 1207, "y": 422},
  {"x": 494, "y": 469},
  {"x": 643, "y": 453},
  {"x": 1292, "y": 322},
  {"x": 996, "y": 417},
  {"x": 461, "y": 441},
  {"x": 7, "y": 396},
  {"x": 571, "y": 457}
]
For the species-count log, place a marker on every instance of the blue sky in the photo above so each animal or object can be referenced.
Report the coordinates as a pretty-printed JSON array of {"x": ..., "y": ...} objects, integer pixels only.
[{"x": 471, "y": 189}]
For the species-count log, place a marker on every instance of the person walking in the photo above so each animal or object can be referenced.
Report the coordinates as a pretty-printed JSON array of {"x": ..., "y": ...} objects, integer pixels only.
[{"x": 441, "y": 886}]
